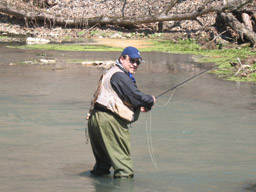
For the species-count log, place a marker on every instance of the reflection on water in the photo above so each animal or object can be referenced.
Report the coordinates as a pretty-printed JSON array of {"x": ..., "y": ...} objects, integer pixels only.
[{"x": 203, "y": 139}]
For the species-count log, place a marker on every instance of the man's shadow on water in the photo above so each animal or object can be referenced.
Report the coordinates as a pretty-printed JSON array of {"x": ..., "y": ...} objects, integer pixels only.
[{"x": 109, "y": 184}]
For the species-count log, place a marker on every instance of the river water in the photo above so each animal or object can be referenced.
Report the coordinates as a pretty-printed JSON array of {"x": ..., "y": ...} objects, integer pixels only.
[{"x": 203, "y": 138}]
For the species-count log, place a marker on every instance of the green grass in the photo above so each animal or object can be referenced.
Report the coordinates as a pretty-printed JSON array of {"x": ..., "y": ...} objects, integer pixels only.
[{"x": 221, "y": 57}]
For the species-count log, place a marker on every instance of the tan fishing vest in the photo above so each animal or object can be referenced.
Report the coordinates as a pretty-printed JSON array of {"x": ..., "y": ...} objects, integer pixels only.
[{"x": 106, "y": 96}]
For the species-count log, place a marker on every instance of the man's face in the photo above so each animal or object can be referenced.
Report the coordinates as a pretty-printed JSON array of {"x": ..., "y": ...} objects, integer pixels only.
[{"x": 129, "y": 64}]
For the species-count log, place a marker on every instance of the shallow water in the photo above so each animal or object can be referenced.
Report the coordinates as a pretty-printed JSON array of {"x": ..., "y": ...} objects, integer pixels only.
[{"x": 203, "y": 139}]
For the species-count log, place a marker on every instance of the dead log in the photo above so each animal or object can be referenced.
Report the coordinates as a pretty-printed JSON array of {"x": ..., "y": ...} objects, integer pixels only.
[
  {"x": 117, "y": 20},
  {"x": 243, "y": 31},
  {"x": 38, "y": 15}
]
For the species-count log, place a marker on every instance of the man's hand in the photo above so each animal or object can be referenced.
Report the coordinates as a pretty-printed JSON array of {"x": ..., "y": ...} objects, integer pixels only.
[
  {"x": 154, "y": 99},
  {"x": 143, "y": 109}
]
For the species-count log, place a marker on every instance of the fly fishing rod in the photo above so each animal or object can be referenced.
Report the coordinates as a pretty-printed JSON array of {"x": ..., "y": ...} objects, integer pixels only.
[{"x": 176, "y": 86}]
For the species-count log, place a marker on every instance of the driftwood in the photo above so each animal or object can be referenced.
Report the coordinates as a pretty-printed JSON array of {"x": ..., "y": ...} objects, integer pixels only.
[
  {"x": 247, "y": 28},
  {"x": 243, "y": 70},
  {"x": 236, "y": 25}
]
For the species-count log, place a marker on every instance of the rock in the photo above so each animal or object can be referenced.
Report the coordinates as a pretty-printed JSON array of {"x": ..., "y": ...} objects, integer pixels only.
[
  {"x": 128, "y": 35},
  {"x": 116, "y": 35},
  {"x": 99, "y": 64},
  {"x": 30, "y": 62},
  {"x": 32, "y": 41},
  {"x": 47, "y": 61}
]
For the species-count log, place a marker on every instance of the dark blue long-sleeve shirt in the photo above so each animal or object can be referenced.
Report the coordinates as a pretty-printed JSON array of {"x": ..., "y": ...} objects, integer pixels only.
[{"x": 127, "y": 90}]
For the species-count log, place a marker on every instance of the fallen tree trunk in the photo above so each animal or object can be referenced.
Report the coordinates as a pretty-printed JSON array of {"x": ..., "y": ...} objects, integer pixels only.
[
  {"x": 34, "y": 16},
  {"x": 230, "y": 20},
  {"x": 120, "y": 21}
]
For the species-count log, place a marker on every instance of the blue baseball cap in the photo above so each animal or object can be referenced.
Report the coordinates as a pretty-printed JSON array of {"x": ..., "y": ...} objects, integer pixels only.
[{"x": 132, "y": 52}]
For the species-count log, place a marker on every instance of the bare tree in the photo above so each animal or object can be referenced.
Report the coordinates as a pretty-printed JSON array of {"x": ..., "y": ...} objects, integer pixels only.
[{"x": 224, "y": 9}]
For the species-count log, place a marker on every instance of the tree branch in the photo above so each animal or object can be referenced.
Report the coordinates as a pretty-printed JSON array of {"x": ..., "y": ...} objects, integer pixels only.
[
  {"x": 169, "y": 7},
  {"x": 121, "y": 21}
]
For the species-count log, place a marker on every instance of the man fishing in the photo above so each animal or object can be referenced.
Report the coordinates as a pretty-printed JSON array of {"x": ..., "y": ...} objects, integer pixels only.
[{"x": 117, "y": 102}]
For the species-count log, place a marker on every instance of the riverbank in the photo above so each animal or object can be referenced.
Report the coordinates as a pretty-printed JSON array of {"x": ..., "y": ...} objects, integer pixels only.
[
  {"x": 204, "y": 36},
  {"x": 235, "y": 63}
]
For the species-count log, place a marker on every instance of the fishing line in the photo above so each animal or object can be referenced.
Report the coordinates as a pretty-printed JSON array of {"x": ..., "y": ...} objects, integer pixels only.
[
  {"x": 149, "y": 129},
  {"x": 170, "y": 98},
  {"x": 150, "y": 143},
  {"x": 149, "y": 133}
]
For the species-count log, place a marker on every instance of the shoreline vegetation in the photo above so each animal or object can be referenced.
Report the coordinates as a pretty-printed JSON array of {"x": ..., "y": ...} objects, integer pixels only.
[
  {"x": 220, "y": 32},
  {"x": 235, "y": 63}
]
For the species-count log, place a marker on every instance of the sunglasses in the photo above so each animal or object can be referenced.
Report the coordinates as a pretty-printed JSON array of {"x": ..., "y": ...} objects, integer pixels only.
[{"x": 135, "y": 61}]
